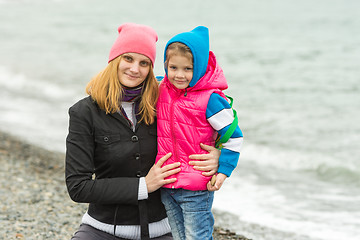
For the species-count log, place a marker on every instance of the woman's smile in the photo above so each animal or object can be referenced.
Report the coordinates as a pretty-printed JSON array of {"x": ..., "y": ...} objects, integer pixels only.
[{"x": 133, "y": 69}]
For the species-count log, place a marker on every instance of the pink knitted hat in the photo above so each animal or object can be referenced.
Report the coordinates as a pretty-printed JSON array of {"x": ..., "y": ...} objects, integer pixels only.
[{"x": 135, "y": 38}]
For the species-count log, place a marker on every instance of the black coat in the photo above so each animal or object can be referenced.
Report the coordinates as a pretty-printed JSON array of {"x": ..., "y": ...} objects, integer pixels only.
[{"x": 104, "y": 161}]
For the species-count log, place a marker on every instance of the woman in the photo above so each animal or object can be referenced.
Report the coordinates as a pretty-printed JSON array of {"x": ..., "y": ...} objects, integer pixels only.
[{"x": 112, "y": 145}]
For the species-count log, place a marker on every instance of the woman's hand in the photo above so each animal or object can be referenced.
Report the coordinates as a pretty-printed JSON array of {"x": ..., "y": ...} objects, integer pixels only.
[
  {"x": 157, "y": 174},
  {"x": 208, "y": 163}
]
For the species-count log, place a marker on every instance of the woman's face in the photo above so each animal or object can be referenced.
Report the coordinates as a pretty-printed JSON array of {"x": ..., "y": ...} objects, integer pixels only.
[{"x": 133, "y": 69}]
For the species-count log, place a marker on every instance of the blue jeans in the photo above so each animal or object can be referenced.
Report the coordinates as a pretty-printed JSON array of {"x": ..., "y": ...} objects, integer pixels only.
[{"x": 189, "y": 213}]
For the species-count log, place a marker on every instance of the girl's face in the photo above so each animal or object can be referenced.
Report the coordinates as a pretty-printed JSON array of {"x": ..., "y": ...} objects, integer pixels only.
[
  {"x": 133, "y": 69},
  {"x": 180, "y": 71}
]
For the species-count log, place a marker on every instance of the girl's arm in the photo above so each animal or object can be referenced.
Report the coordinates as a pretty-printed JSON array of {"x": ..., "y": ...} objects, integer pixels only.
[{"x": 220, "y": 116}]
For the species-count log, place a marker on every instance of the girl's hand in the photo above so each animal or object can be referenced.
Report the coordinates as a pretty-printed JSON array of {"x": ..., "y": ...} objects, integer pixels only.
[
  {"x": 157, "y": 174},
  {"x": 220, "y": 178},
  {"x": 208, "y": 163}
]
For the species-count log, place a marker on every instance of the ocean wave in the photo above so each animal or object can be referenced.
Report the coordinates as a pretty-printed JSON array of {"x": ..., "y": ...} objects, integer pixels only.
[
  {"x": 326, "y": 167},
  {"x": 19, "y": 85},
  {"x": 338, "y": 174}
]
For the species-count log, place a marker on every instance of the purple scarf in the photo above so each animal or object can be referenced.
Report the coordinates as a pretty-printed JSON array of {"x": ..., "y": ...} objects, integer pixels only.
[{"x": 132, "y": 95}]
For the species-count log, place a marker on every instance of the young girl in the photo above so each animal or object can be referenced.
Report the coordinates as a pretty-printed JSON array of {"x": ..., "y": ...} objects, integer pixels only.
[{"x": 192, "y": 109}]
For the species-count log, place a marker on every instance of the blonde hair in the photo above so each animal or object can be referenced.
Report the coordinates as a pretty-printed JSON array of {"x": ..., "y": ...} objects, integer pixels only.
[
  {"x": 178, "y": 48},
  {"x": 105, "y": 88}
]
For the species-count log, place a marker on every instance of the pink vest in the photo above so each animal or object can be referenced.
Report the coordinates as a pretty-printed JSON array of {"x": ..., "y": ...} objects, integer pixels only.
[{"x": 182, "y": 125}]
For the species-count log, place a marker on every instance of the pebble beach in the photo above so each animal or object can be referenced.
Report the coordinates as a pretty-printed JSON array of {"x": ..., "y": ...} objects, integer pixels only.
[{"x": 34, "y": 203}]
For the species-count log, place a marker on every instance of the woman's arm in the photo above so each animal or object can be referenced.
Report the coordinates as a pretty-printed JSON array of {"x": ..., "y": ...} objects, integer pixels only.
[
  {"x": 79, "y": 169},
  {"x": 157, "y": 174},
  {"x": 208, "y": 163}
]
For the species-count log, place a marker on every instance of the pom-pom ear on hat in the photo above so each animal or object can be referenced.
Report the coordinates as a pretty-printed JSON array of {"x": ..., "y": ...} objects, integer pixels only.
[{"x": 135, "y": 38}]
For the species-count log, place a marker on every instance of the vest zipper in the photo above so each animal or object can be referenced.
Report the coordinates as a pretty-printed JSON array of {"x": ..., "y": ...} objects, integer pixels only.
[{"x": 172, "y": 129}]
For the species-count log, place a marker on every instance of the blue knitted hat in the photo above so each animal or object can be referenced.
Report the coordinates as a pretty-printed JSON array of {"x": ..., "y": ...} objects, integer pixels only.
[{"x": 198, "y": 42}]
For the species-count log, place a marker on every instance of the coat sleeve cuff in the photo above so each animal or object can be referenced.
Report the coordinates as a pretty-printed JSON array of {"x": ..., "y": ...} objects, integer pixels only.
[{"x": 143, "y": 193}]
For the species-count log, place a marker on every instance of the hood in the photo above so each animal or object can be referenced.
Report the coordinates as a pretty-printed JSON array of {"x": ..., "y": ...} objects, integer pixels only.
[
  {"x": 213, "y": 78},
  {"x": 198, "y": 42}
]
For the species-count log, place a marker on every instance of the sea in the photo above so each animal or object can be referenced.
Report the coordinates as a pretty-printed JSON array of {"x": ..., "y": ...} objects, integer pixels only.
[{"x": 293, "y": 69}]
